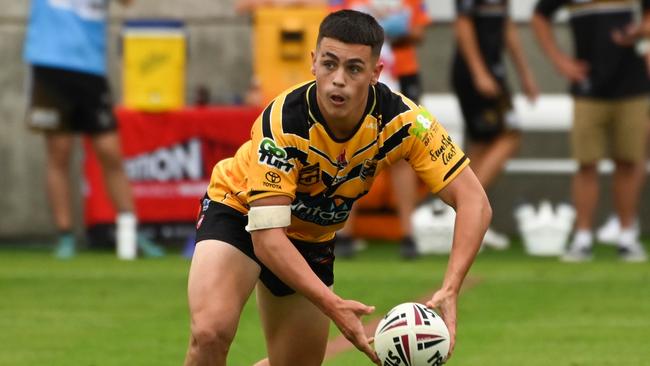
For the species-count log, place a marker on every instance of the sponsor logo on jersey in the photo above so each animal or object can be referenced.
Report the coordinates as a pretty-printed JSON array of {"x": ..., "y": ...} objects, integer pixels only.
[
  {"x": 341, "y": 160},
  {"x": 273, "y": 180},
  {"x": 339, "y": 180},
  {"x": 177, "y": 162},
  {"x": 273, "y": 156},
  {"x": 445, "y": 150},
  {"x": 321, "y": 211},
  {"x": 422, "y": 124},
  {"x": 368, "y": 169},
  {"x": 206, "y": 204},
  {"x": 309, "y": 175}
]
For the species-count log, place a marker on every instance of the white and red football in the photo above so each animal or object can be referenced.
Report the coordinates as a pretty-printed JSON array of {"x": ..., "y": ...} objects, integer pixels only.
[{"x": 412, "y": 335}]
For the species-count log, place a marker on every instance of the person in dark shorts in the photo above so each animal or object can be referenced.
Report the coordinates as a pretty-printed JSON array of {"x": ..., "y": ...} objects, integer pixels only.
[
  {"x": 65, "y": 47},
  {"x": 272, "y": 211},
  {"x": 484, "y": 31},
  {"x": 609, "y": 83}
]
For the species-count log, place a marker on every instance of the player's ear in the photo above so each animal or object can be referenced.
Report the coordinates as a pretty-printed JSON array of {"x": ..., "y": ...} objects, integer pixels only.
[
  {"x": 313, "y": 63},
  {"x": 376, "y": 72}
]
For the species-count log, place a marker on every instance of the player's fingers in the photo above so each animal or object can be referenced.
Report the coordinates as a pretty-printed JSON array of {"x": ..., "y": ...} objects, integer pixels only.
[
  {"x": 362, "y": 343},
  {"x": 370, "y": 353},
  {"x": 362, "y": 309},
  {"x": 452, "y": 345}
]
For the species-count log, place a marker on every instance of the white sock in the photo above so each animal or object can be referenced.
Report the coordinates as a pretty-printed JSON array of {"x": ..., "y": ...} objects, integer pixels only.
[
  {"x": 583, "y": 238},
  {"x": 126, "y": 224},
  {"x": 628, "y": 236}
]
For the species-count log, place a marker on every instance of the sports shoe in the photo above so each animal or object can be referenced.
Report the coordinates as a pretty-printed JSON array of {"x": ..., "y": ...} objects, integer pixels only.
[
  {"x": 148, "y": 248},
  {"x": 344, "y": 246},
  {"x": 495, "y": 240},
  {"x": 65, "y": 247},
  {"x": 407, "y": 248},
  {"x": 580, "y": 250},
  {"x": 577, "y": 254},
  {"x": 632, "y": 253},
  {"x": 609, "y": 232}
]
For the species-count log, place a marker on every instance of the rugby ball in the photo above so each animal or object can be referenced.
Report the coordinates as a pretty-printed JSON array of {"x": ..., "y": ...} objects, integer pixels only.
[{"x": 412, "y": 335}]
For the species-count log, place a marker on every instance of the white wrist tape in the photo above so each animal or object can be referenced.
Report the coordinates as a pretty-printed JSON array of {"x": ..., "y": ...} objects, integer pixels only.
[{"x": 268, "y": 217}]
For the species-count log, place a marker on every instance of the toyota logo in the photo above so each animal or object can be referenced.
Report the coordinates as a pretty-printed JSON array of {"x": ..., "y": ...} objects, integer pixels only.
[{"x": 273, "y": 177}]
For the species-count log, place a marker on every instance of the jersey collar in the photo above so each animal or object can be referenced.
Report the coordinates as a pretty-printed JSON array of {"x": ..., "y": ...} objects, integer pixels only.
[{"x": 315, "y": 116}]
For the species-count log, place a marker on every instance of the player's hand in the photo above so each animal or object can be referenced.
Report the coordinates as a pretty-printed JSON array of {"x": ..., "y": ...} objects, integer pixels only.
[
  {"x": 347, "y": 314},
  {"x": 529, "y": 85},
  {"x": 627, "y": 36},
  {"x": 487, "y": 86},
  {"x": 445, "y": 302},
  {"x": 574, "y": 70}
]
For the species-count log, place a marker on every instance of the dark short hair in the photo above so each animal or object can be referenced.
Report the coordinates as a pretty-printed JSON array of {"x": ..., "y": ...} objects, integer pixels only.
[{"x": 353, "y": 27}]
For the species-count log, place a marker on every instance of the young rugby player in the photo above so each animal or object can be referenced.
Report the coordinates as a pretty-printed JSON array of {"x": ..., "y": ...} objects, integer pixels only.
[{"x": 270, "y": 213}]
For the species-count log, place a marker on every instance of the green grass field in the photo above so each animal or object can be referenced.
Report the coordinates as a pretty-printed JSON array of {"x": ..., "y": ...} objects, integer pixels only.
[{"x": 518, "y": 310}]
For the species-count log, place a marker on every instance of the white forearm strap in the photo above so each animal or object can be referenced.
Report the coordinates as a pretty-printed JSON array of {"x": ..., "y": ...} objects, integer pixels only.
[{"x": 268, "y": 217}]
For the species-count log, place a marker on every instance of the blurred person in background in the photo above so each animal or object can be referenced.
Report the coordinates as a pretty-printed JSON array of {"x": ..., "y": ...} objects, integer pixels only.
[
  {"x": 271, "y": 212},
  {"x": 404, "y": 23},
  {"x": 65, "y": 47},
  {"x": 609, "y": 84},
  {"x": 483, "y": 31},
  {"x": 609, "y": 232}
]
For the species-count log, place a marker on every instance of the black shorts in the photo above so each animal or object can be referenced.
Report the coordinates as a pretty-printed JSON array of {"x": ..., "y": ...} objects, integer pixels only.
[
  {"x": 411, "y": 87},
  {"x": 220, "y": 222},
  {"x": 485, "y": 118},
  {"x": 69, "y": 101}
]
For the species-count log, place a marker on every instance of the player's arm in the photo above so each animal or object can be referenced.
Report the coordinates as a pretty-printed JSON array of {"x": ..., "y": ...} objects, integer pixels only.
[
  {"x": 469, "y": 49},
  {"x": 473, "y": 214},
  {"x": 632, "y": 33},
  {"x": 273, "y": 248},
  {"x": 572, "y": 69},
  {"x": 526, "y": 78}
]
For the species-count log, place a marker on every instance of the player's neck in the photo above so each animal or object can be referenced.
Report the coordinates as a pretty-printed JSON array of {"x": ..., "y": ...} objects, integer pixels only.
[{"x": 344, "y": 126}]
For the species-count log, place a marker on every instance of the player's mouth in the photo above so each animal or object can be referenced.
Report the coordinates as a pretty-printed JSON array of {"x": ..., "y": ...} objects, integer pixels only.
[{"x": 337, "y": 99}]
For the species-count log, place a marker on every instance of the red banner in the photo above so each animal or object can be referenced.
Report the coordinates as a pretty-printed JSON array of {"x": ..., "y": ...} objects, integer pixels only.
[{"x": 168, "y": 158}]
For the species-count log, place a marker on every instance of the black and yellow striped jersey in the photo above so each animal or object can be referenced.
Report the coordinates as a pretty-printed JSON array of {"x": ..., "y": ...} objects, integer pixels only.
[{"x": 292, "y": 152}]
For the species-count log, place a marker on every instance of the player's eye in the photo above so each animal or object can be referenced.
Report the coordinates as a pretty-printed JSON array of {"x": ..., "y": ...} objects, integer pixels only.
[
  {"x": 330, "y": 65},
  {"x": 354, "y": 69}
]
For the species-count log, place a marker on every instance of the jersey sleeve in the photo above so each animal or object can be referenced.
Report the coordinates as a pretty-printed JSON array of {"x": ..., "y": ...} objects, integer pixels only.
[
  {"x": 431, "y": 152},
  {"x": 273, "y": 164},
  {"x": 547, "y": 8}
]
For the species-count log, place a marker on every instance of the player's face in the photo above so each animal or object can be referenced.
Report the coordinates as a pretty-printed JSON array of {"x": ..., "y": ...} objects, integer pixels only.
[{"x": 343, "y": 73}]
